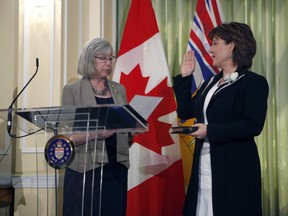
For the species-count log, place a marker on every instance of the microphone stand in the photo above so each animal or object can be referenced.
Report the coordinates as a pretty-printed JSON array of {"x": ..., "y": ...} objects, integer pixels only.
[{"x": 9, "y": 117}]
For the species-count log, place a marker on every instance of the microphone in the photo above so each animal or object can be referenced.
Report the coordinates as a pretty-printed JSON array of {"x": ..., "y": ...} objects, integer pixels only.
[{"x": 9, "y": 117}]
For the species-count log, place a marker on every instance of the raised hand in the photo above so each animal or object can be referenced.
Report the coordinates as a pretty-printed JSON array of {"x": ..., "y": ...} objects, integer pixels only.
[{"x": 188, "y": 65}]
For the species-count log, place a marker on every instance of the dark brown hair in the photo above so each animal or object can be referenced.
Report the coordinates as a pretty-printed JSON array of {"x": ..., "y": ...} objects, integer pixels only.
[{"x": 242, "y": 36}]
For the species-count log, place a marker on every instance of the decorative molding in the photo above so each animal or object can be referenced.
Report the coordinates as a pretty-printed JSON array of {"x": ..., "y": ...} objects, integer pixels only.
[
  {"x": 80, "y": 30},
  {"x": 26, "y": 44},
  {"x": 52, "y": 45},
  {"x": 5, "y": 180},
  {"x": 34, "y": 181},
  {"x": 65, "y": 41},
  {"x": 28, "y": 150}
]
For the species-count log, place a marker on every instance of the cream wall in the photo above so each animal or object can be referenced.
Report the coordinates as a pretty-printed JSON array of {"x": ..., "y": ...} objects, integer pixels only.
[
  {"x": 53, "y": 31},
  {"x": 8, "y": 79}
]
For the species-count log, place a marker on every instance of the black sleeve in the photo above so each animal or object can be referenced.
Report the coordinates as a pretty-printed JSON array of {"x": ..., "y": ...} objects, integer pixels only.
[{"x": 182, "y": 89}]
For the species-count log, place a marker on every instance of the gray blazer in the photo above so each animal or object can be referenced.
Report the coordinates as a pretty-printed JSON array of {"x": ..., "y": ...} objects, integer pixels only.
[{"x": 81, "y": 93}]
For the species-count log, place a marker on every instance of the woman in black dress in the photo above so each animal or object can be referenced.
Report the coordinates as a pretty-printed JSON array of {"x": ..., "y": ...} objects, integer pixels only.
[{"x": 230, "y": 109}]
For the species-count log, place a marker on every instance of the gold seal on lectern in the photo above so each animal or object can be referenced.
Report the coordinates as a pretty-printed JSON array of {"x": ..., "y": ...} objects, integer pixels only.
[{"x": 59, "y": 151}]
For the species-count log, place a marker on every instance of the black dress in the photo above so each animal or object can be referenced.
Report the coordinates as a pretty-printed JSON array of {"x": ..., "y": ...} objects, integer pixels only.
[{"x": 114, "y": 185}]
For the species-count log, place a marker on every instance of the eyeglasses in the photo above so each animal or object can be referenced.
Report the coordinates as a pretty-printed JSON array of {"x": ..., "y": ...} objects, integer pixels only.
[{"x": 105, "y": 59}]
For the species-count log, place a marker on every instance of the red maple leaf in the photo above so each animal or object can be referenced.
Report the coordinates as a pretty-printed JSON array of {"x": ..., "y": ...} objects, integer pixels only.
[{"x": 158, "y": 134}]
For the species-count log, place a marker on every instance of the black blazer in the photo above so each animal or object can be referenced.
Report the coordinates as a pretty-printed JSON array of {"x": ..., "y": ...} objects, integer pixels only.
[{"x": 236, "y": 114}]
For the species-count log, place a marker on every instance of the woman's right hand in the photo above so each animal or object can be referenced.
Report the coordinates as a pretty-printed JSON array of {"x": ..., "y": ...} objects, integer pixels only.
[
  {"x": 201, "y": 133},
  {"x": 188, "y": 65},
  {"x": 80, "y": 138},
  {"x": 100, "y": 134}
]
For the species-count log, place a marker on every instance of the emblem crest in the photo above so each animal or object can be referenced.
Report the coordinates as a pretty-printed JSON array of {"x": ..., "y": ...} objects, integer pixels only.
[{"x": 59, "y": 151}]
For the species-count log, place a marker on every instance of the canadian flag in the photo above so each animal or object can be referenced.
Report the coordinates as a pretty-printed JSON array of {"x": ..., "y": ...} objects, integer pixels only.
[{"x": 155, "y": 181}]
